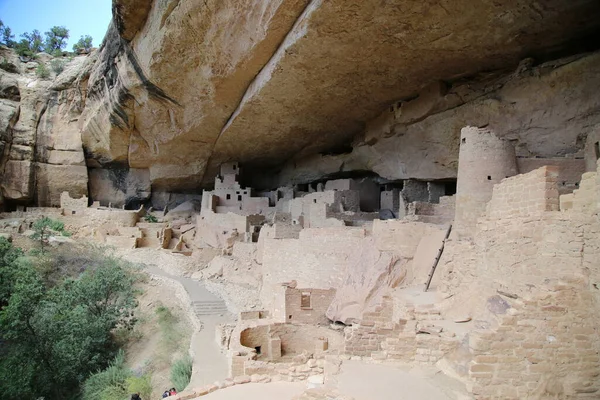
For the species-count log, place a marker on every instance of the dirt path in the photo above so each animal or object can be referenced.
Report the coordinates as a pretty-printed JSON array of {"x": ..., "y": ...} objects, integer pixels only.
[{"x": 210, "y": 364}]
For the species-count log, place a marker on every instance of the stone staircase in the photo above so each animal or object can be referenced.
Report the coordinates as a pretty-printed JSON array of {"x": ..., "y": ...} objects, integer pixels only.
[{"x": 209, "y": 307}]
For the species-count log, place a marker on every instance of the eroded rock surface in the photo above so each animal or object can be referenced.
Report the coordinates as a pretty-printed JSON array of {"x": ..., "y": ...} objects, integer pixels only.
[
  {"x": 42, "y": 153},
  {"x": 180, "y": 86},
  {"x": 201, "y": 83}
]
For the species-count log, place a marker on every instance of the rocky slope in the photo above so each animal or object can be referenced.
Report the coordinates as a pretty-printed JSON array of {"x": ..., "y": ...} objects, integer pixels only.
[{"x": 179, "y": 86}]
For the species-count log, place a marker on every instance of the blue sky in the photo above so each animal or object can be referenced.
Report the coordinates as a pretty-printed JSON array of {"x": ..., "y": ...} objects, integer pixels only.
[{"x": 81, "y": 17}]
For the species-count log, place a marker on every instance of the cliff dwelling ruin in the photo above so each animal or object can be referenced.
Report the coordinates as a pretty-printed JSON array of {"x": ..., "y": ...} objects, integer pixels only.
[{"x": 315, "y": 164}]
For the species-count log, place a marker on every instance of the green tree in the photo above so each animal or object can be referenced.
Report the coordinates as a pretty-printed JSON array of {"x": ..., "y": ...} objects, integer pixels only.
[
  {"x": 84, "y": 44},
  {"x": 22, "y": 49},
  {"x": 56, "y": 39},
  {"x": 34, "y": 40},
  {"x": 6, "y": 35},
  {"x": 45, "y": 227},
  {"x": 52, "y": 338}
]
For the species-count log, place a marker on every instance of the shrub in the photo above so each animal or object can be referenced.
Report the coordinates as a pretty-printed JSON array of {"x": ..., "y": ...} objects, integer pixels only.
[
  {"x": 181, "y": 373},
  {"x": 150, "y": 218},
  {"x": 42, "y": 71},
  {"x": 58, "y": 65},
  {"x": 116, "y": 382},
  {"x": 45, "y": 227},
  {"x": 55, "y": 333},
  {"x": 141, "y": 385}
]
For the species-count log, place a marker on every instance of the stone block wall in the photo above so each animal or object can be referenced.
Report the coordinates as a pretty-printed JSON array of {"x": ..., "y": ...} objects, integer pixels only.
[
  {"x": 99, "y": 216},
  {"x": 545, "y": 346},
  {"x": 441, "y": 213},
  {"x": 585, "y": 199},
  {"x": 542, "y": 268},
  {"x": 484, "y": 160},
  {"x": 70, "y": 204},
  {"x": 380, "y": 336},
  {"x": 525, "y": 194},
  {"x": 320, "y": 299},
  {"x": 569, "y": 170}
]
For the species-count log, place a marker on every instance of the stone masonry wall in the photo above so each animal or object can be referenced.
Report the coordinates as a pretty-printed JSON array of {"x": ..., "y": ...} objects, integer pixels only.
[
  {"x": 484, "y": 160},
  {"x": 320, "y": 300},
  {"x": 525, "y": 194},
  {"x": 546, "y": 346},
  {"x": 537, "y": 331}
]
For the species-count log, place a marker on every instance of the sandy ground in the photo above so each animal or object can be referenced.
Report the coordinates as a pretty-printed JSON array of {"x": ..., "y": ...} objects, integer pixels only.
[
  {"x": 364, "y": 381},
  {"x": 259, "y": 391}
]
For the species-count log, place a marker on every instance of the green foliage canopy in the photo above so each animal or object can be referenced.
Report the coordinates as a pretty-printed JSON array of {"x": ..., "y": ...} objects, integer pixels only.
[
  {"x": 85, "y": 43},
  {"x": 53, "y": 336},
  {"x": 56, "y": 39},
  {"x": 6, "y": 36}
]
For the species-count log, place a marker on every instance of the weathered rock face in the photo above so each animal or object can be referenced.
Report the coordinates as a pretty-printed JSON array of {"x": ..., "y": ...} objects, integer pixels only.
[
  {"x": 547, "y": 111},
  {"x": 180, "y": 86},
  {"x": 40, "y": 139},
  {"x": 262, "y": 82}
]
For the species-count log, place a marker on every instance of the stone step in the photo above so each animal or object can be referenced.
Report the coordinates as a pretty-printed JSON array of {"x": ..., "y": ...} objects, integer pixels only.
[{"x": 209, "y": 307}]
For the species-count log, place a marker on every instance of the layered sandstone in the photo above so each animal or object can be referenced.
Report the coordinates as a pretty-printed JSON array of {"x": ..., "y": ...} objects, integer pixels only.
[{"x": 192, "y": 84}]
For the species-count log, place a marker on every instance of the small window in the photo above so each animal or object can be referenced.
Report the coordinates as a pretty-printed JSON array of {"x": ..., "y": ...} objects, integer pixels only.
[
  {"x": 464, "y": 140},
  {"x": 240, "y": 197},
  {"x": 489, "y": 178},
  {"x": 305, "y": 300},
  {"x": 597, "y": 150},
  {"x": 257, "y": 348},
  {"x": 228, "y": 197},
  {"x": 315, "y": 201},
  {"x": 289, "y": 317},
  {"x": 73, "y": 212},
  {"x": 245, "y": 192},
  {"x": 234, "y": 167}
]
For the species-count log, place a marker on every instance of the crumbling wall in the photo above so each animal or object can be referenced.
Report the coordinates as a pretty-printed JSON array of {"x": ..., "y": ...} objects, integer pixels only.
[
  {"x": 441, "y": 213},
  {"x": 71, "y": 205},
  {"x": 535, "y": 270}
]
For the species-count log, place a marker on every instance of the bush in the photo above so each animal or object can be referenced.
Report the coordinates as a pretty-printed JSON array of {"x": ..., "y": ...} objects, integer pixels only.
[
  {"x": 58, "y": 65},
  {"x": 150, "y": 218},
  {"x": 42, "y": 71},
  {"x": 116, "y": 382},
  {"x": 141, "y": 385},
  {"x": 181, "y": 373},
  {"x": 56, "y": 332},
  {"x": 45, "y": 227}
]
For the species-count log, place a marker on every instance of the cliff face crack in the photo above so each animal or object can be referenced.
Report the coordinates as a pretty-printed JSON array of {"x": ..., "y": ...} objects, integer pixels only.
[
  {"x": 9, "y": 142},
  {"x": 267, "y": 69}
]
